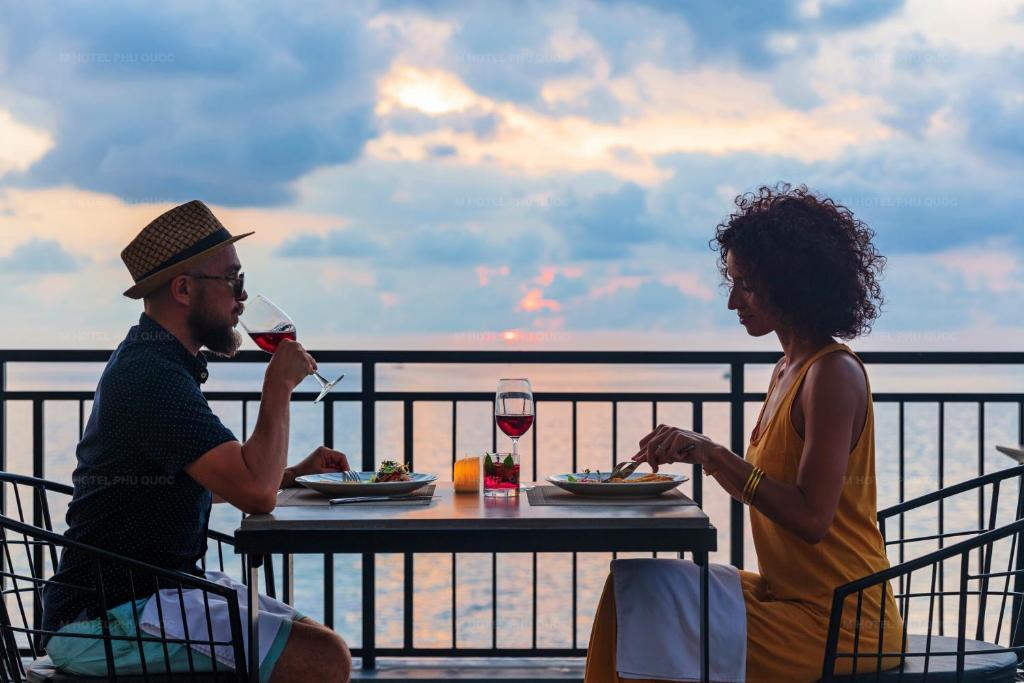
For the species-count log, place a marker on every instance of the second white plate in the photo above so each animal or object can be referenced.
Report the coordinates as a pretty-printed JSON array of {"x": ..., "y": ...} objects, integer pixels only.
[{"x": 590, "y": 486}]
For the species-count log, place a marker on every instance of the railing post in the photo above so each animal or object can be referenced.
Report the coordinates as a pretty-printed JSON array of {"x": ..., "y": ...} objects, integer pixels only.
[
  {"x": 369, "y": 416},
  {"x": 737, "y": 442},
  {"x": 3, "y": 453},
  {"x": 408, "y": 568},
  {"x": 38, "y": 453},
  {"x": 3, "y": 429},
  {"x": 328, "y": 595},
  {"x": 1017, "y": 638},
  {"x": 697, "y": 477}
]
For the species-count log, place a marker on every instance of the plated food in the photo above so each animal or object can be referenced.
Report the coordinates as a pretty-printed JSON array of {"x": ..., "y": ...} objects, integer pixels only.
[
  {"x": 391, "y": 478},
  {"x": 589, "y": 484},
  {"x": 598, "y": 478},
  {"x": 390, "y": 470}
]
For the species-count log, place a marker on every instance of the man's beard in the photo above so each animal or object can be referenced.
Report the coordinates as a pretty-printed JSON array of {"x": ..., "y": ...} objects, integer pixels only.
[{"x": 219, "y": 337}]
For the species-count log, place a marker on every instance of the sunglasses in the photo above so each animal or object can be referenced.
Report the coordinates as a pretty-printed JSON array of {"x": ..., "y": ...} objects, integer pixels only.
[{"x": 237, "y": 282}]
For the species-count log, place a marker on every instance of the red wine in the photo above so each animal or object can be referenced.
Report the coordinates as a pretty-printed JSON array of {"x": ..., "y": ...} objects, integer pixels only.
[
  {"x": 268, "y": 341},
  {"x": 514, "y": 425}
]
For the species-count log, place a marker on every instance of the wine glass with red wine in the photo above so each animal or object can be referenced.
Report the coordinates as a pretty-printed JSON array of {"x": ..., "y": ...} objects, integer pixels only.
[
  {"x": 268, "y": 326},
  {"x": 514, "y": 410}
]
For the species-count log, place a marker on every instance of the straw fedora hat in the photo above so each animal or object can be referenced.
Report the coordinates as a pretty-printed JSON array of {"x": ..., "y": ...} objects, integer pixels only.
[{"x": 174, "y": 243}]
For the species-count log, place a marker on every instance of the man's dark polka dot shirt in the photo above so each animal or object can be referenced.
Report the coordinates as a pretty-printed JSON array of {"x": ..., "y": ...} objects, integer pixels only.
[{"x": 149, "y": 420}]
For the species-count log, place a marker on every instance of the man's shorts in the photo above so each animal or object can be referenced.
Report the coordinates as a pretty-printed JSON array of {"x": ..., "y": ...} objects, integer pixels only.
[{"x": 87, "y": 656}]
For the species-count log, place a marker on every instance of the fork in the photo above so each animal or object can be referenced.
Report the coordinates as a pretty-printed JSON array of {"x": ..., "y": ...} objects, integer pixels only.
[
  {"x": 350, "y": 476},
  {"x": 623, "y": 469}
]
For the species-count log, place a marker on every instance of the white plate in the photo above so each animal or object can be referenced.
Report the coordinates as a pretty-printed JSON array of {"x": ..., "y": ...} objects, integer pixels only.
[
  {"x": 334, "y": 485},
  {"x": 593, "y": 488}
]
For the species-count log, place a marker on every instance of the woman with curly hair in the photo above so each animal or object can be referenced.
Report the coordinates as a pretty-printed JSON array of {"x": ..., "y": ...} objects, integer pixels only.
[{"x": 804, "y": 268}]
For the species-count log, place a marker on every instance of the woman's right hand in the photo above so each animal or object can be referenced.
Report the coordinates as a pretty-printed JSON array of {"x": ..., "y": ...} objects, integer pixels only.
[
  {"x": 290, "y": 364},
  {"x": 668, "y": 444}
]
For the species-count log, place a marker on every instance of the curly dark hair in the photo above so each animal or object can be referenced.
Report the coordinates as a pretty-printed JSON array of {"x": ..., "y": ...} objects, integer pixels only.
[{"x": 809, "y": 258}]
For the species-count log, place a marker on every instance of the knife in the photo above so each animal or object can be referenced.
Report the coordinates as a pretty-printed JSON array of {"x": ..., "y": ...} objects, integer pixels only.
[{"x": 372, "y": 499}]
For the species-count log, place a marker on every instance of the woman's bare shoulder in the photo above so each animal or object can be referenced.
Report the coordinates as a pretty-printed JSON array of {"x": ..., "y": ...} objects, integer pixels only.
[{"x": 836, "y": 373}]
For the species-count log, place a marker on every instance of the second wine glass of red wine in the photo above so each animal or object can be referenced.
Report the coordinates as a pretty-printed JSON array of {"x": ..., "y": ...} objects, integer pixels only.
[
  {"x": 268, "y": 326},
  {"x": 514, "y": 409}
]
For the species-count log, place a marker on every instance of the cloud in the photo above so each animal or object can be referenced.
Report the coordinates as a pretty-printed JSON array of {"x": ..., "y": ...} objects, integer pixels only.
[
  {"x": 455, "y": 167},
  {"x": 23, "y": 145},
  {"x": 39, "y": 256},
  {"x": 995, "y": 122},
  {"x": 689, "y": 284},
  {"x": 732, "y": 113},
  {"x": 639, "y": 303},
  {"x": 954, "y": 289},
  {"x": 548, "y": 274},
  {"x": 159, "y": 104},
  {"x": 605, "y": 225},
  {"x": 915, "y": 199},
  {"x": 509, "y": 51},
  {"x": 749, "y": 31},
  {"x": 484, "y": 275},
  {"x": 533, "y": 301},
  {"x": 569, "y": 283},
  {"x": 992, "y": 269},
  {"x": 348, "y": 243},
  {"x": 423, "y": 246},
  {"x": 432, "y": 246}
]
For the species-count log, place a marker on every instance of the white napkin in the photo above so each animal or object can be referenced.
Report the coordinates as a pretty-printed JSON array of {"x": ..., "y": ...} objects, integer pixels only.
[{"x": 657, "y": 606}]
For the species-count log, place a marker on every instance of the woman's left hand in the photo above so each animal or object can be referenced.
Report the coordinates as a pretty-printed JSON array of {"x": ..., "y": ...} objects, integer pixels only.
[{"x": 668, "y": 444}]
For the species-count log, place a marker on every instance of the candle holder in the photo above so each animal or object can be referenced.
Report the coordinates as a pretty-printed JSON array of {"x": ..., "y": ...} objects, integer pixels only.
[{"x": 466, "y": 475}]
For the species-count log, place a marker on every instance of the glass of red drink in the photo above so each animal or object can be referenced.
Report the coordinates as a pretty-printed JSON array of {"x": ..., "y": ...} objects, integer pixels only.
[
  {"x": 268, "y": 326},
  {"x": 514, "y": 412},
  {"x": 501, "y": 474}
]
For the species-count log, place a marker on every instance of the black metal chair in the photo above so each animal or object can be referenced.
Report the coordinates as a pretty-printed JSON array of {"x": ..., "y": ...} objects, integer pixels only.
[
  {"x": 30, "y": 557},
  {"x": 932, "y": 656},
  {"x": 12, "y": 484}
]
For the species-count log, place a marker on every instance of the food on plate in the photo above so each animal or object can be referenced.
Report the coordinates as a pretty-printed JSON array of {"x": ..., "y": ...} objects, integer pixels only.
[
  {"x": 643, "y": 478},
  {"x": 390, "y": 470},
  {"x": 635, "y": 479}
]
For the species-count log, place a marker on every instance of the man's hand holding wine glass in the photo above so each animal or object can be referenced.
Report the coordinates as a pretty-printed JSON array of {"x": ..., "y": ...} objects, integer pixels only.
[
  {"x": 270, "y": 327},
  {"x": 290, "y": 364}
]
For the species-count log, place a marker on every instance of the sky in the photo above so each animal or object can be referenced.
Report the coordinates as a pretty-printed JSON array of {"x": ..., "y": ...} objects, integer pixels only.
[{"x": 509, "y": 175}]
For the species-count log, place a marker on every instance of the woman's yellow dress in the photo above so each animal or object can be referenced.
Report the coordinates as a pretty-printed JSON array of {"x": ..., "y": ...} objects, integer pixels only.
[{"x": 788, "y": 603}]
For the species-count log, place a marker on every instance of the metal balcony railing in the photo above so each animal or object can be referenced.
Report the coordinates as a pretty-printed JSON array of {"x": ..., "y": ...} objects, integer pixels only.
[{"x": 368, "y": 397}]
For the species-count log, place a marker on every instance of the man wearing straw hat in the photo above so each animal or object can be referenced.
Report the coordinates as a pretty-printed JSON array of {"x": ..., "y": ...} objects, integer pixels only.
[{"x": 153, "y": 456}]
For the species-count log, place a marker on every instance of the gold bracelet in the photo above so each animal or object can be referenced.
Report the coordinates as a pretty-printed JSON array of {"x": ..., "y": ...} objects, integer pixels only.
[
  {"x": 753, "y": 488},
  {"x": 750, "y": 484},
  {"x": 756, "y": 475},
  {"x": 747, "y": 486}
]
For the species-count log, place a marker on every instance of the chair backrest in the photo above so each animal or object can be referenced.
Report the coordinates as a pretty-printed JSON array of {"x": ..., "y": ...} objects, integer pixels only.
[
  {"x": 978, "y": 505},
  {"x": 965, "y": 582},
  {"x": 30, "y": 556},
  {"x": 27, "y": 500},
  {"x": 25, "y": 579}
]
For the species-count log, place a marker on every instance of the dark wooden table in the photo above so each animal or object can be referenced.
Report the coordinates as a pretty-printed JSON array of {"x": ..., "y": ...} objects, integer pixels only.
[{"x": 465, "y": 523}]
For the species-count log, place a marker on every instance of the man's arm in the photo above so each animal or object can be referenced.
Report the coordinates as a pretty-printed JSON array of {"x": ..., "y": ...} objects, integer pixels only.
[
  {"x": 287, "y": 481},
  {"x": 248, "y": 475}
]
